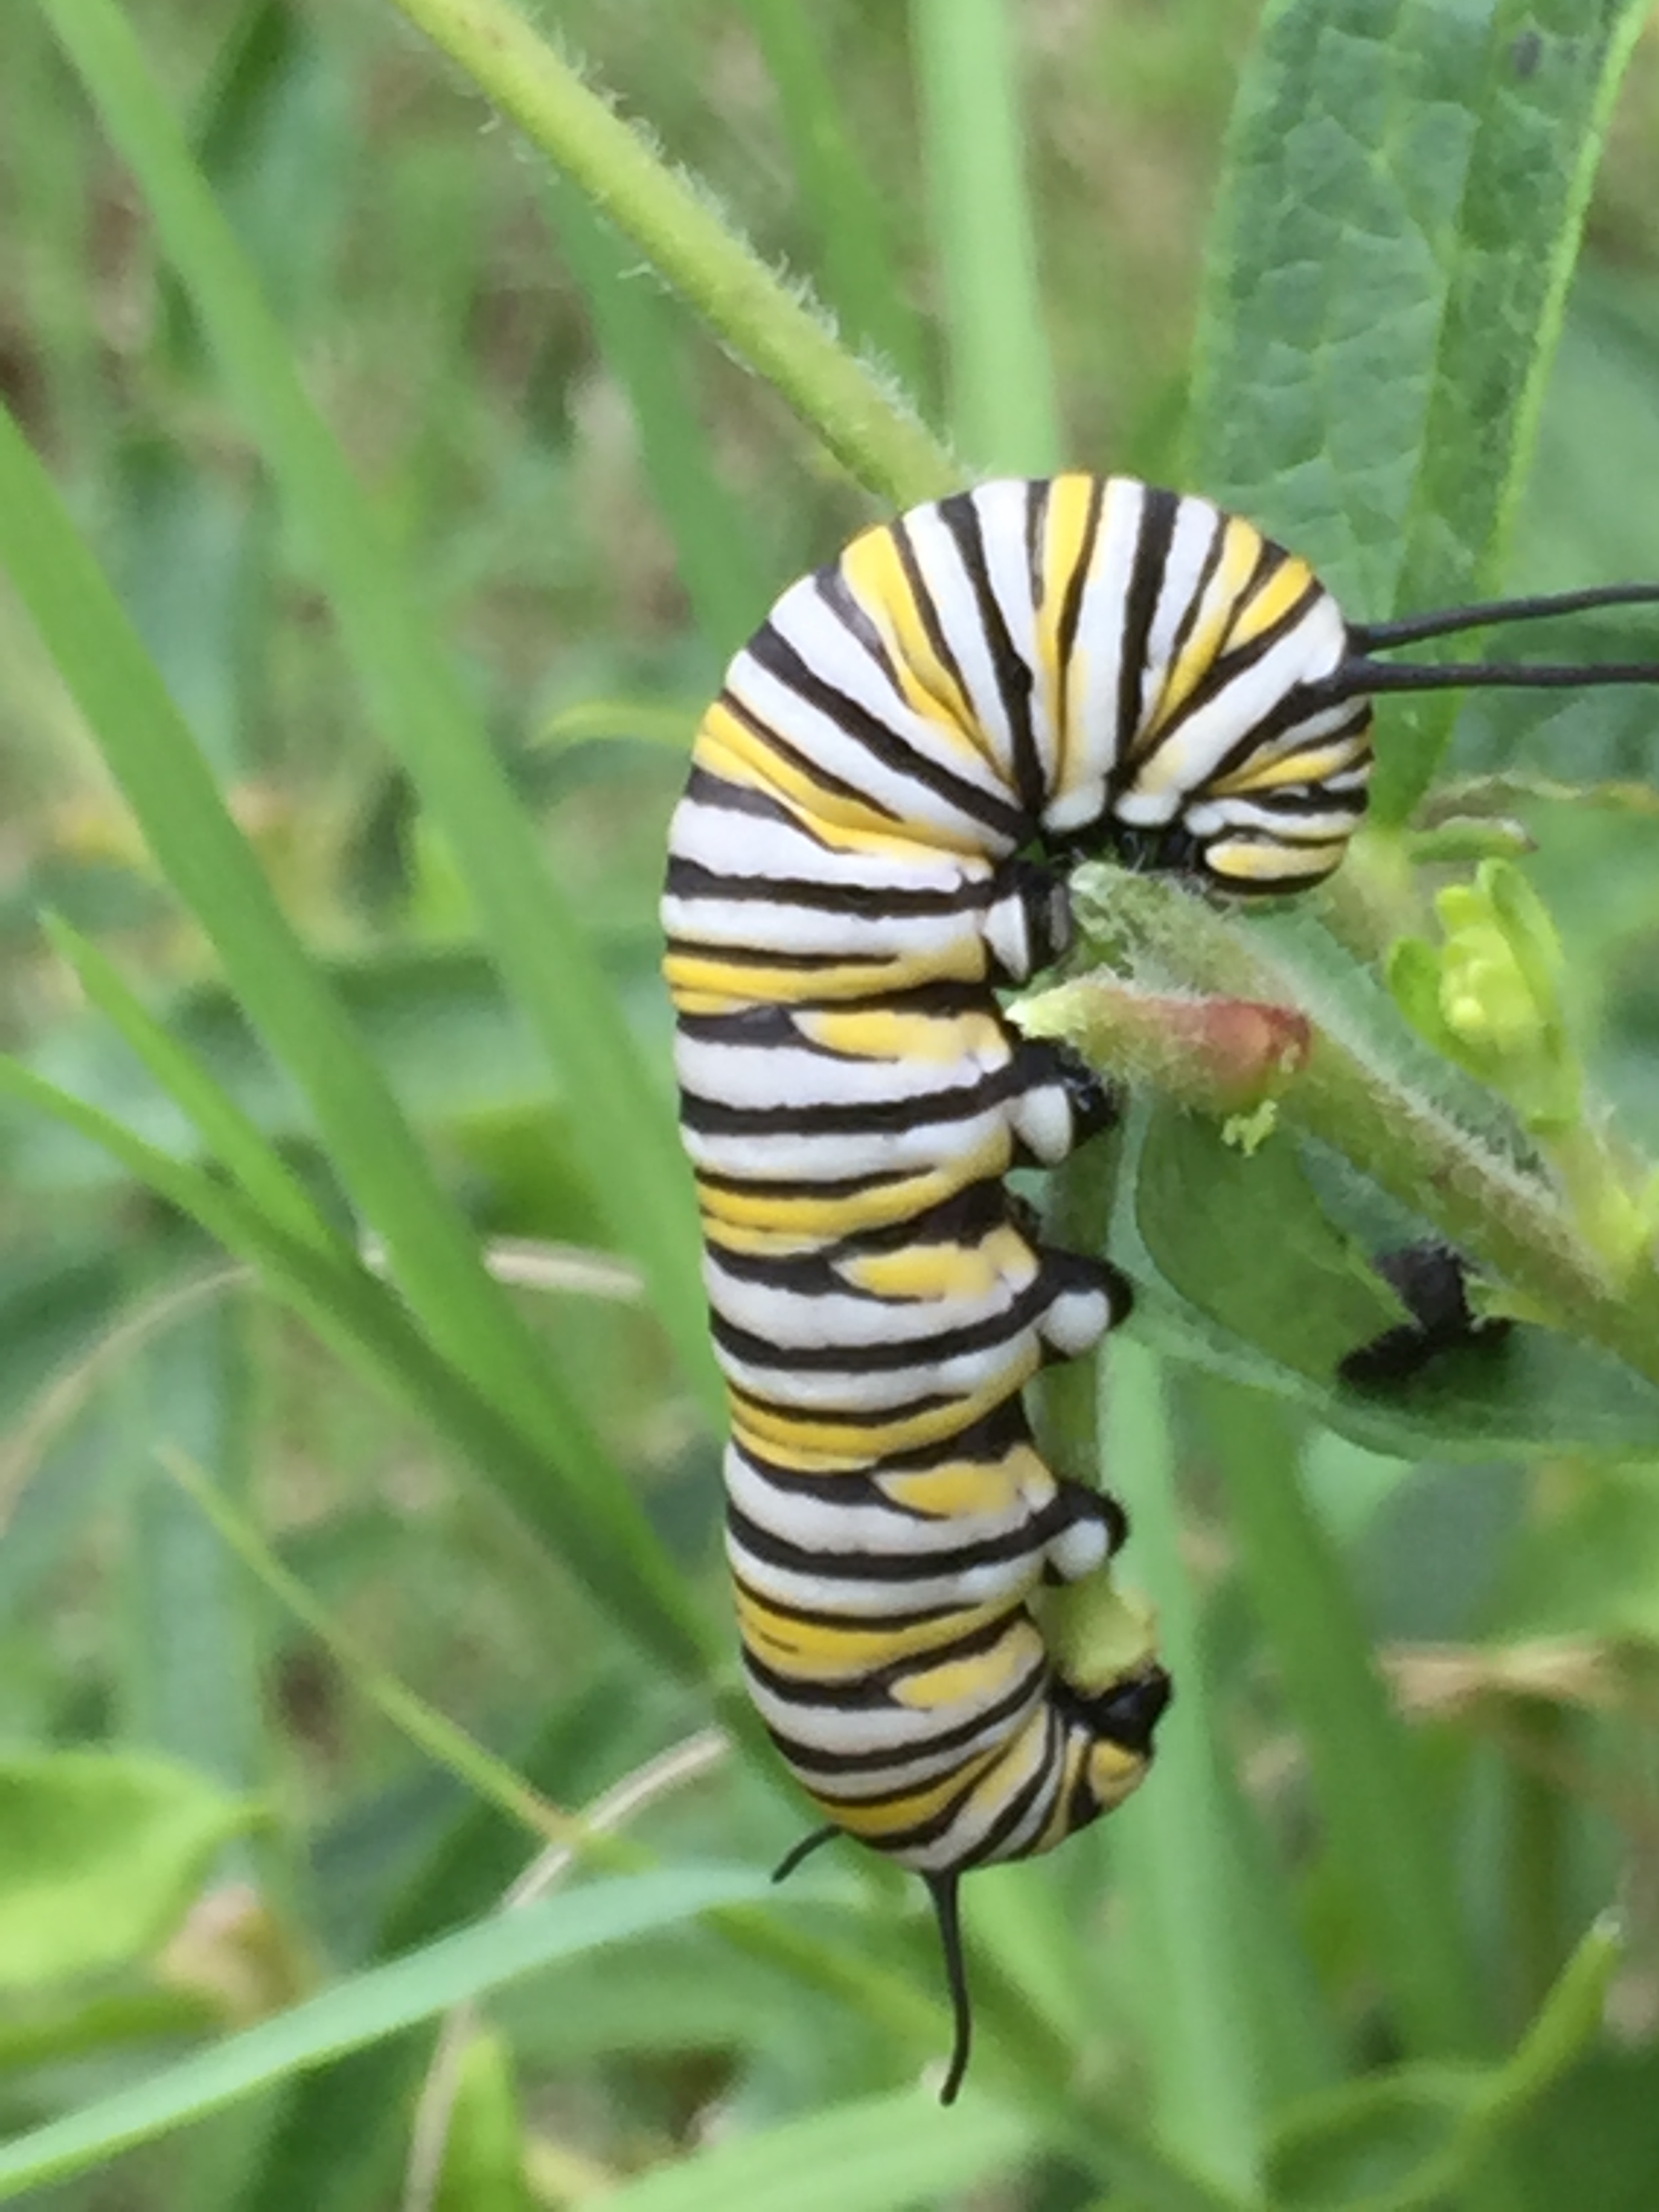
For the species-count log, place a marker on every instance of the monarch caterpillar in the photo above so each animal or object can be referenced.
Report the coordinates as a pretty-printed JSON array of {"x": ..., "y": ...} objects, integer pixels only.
[{"x": 1068, "y": 666}]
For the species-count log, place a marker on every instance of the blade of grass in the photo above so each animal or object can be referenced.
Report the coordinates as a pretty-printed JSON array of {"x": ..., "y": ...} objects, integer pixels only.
[
  {"x": 859, "y": 270},
  {"x": 431, "y": 1730},
  {"x": 1382, "y": 1824},
  {"x": 366, "y": 2007},
  {"x": 189, "y": 1667},
  {"x": 878, "y": 1997},
  {"x": 1172, "y": 1843},
  {"x": 185, "y": 820},
  {"x": 639, "y": 335},
  {"x": 1001, "y": 378},
  {"x": 622, "y": 1127},
  {"x": 358, "y": 1317},
  {"x": 230, "y": 1135},
  {"x": 762, "y": 318}
]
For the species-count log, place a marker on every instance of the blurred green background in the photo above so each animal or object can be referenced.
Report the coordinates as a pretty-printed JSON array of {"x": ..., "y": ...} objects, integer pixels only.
[{"x": 597, "y": 504}]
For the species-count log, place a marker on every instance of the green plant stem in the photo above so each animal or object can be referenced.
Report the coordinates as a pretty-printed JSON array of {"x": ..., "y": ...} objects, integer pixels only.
[
  {"x": 1510, "y": 1222},
  {"x": 858, "y": 417}
]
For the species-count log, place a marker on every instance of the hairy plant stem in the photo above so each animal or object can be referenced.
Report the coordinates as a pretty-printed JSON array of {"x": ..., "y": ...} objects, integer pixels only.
[
  {"x": 1512, "y": 1223},
  {"x": 858, "y": 414}
]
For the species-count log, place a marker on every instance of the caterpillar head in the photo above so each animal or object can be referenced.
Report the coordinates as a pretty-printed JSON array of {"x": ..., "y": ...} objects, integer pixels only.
[
  {"x": 1251, "y": 771},
  {"x": 1253, "y": 774}
]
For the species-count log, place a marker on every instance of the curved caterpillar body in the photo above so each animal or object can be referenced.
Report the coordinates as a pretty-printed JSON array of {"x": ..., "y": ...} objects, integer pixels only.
[{"x": 1080, "y": 663}]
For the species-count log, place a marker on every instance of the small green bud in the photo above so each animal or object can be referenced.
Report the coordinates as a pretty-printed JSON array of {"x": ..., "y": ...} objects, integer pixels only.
[{"x": 1489, "y": 998}]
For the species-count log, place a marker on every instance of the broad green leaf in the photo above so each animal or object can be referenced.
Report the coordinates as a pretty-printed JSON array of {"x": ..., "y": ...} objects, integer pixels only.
[
  {"x": 100, "y": 1853},
  {"x": 414, "y": 692},
  {"x": 366, "y": 2007},
  {"x": 1596, "y": 434},
  {"x": 882, "y": 2155},
  {"x": 1407, "y": 182},
  {"x": 1244, "y": 1239},
  {"x": 1552, "y": 70},
  {"x": 1531, "y": 1390},
  {"x": 1270, "y": 1289}
]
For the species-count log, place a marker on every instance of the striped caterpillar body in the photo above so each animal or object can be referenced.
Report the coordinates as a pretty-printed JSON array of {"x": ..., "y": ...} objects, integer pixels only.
[{"x": 1026, "y": 669}]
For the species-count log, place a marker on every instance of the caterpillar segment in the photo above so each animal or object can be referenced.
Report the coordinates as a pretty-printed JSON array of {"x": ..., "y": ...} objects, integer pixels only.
[{"x": 900, "y": 763}]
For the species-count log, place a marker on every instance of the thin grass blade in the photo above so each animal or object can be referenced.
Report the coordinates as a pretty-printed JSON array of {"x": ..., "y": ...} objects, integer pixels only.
[
  {"x": 623, "y": 1131},
  {"x": 857, "y": 266},
  {"x": 1001, "y": 377},
  {"x": 362, "y": 1320},
  {"x": 639, "y": 331},
  {"x": 365, "y": 2009}
]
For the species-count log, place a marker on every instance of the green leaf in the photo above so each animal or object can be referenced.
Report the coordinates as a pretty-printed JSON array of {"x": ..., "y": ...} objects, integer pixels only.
[
  {"x": 100, "y": 1853},
  {"x": 1532, "y": 1391},
  {"x": 1385, "y": 282},
  {"x": 1270, "y": 1292},
  {"x": 1247, "y": 1242},
  {"x": 882, "y": 2155},
  {"x": 366, "y": 2007}
]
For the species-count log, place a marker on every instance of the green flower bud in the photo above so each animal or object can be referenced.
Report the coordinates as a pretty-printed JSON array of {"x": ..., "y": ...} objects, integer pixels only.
[{"x": 1489, "y": 997}]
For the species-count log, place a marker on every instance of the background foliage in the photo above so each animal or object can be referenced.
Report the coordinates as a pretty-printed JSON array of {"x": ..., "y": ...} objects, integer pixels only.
[{"x": 401, "y": 525}]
